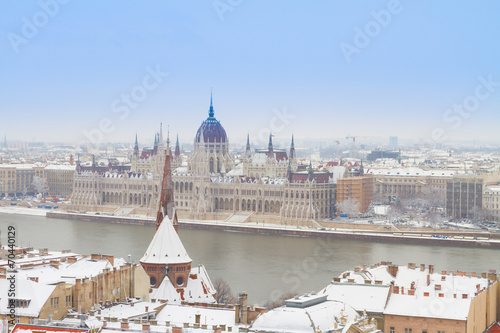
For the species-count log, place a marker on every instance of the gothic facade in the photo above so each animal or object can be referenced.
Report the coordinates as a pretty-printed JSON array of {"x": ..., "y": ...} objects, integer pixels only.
[{"x": 265, "y": 181}]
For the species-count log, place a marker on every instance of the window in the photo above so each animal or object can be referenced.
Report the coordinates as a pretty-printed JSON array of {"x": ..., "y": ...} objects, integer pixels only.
[
  {"x": 391, "y": 330},
  {"x": 424, "y": 331}
]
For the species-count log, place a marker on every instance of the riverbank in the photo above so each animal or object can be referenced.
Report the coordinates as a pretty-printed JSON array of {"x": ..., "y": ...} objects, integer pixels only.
[
  {"x": 434, "y": 237},
  {"x": 22, "y": 210}
]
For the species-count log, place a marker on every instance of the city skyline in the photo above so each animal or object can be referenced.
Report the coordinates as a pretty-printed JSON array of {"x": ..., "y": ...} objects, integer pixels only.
[{"x": 420, "y": 71}]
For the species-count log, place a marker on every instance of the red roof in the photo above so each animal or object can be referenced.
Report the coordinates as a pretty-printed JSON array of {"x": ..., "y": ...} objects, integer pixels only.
[
  {"x": 48, "y": 329},
  {"x": 281, "y": 156},
  {"x": 494, "y": 328},
  {"x": 322, "y": 178}
]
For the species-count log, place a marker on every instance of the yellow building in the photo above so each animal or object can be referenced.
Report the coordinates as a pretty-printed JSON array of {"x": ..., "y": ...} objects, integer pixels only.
[
  {"x": 358, "y": 188},
  {"x": 491, "y": 202},
  {"x": 60, "y": 179},
  {"x": 17, "y": 179},
  {"x": 390, "y": 184}
]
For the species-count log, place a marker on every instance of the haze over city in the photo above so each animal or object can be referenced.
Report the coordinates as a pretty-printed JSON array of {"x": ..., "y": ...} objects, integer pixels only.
[{"x": 337, "y": 68}]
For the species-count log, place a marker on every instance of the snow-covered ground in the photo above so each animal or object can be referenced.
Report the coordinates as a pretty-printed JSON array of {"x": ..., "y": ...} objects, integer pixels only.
[{"x": 23, "y": 210}]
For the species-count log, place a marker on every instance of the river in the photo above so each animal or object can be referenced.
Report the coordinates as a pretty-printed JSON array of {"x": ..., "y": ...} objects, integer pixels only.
[{"x": 262, "y": 265}]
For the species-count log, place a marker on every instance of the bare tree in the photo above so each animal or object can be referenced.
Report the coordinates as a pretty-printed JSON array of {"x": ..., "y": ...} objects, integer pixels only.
[
  {"x": 40, "y": 184},
  {"x": 477, "y": 213},
  {"x": 433, "y": 197},
  {"x": 224, "y": 293},
  {"x": 272, "y": 304},
  {"x": 349, "y": 207}
]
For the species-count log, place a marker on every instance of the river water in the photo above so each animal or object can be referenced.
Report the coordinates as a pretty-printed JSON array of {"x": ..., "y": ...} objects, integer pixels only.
[{"x": 264, "y": 266}]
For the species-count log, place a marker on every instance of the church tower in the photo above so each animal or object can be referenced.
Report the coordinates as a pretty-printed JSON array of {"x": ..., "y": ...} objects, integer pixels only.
[{"x": 166, "y": 255}]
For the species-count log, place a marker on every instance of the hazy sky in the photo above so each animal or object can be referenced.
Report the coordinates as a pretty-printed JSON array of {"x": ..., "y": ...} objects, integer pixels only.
[{"x": 320, "y": 69}]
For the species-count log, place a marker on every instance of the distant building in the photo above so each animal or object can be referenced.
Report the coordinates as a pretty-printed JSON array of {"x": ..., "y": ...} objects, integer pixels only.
[
  {"x": 59, "y": 179},
  {"x": 17, "y": 179},
  {"x": 265, "y": 182},
  {"x": 464, "y": 193},
  {"x": 390, "y": 184},
  {"x": 393, "y": 142},
  {"x": 491, "y": 202},
  {"x": 358, "y": 188},
  {"x": 376, "y": 154}
]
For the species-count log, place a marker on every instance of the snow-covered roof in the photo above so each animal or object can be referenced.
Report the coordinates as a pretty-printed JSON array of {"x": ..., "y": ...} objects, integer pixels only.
[
  {"x": 412, "y": 171},
  {"x": 68, "y": 272},
  {"x": 23, "y": 328},
  {"x": 130, "y": 311},
  {"x": 320, "y": 317},
  {"x": 198, "y": 289},
  {"x": 61, "y": 167},
  {"x": 179, "y": 314},
  {"x": 36, "y": 293},
  {"x": 166, "y": 246},
  {"x": 493, "y": 188},
  {"x": 417, "y": 289},
  {"x": 429, "y": 307},
  {"x": 369, "y": 297}
]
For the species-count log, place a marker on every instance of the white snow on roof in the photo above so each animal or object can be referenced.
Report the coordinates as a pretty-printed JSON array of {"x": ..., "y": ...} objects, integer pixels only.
[
  {"x": 321, "y": 317},
  {"x": 129, "y": 311},
  {"x": 431, "y": 292},
  {"x": 178, "y": 314},
  {"x": 199, "y": 288},
  {"x": 166, "y": 246},
  {"x": 237, "y": 171},
  {"x": 371, "y": 298},
  {"x": 34, "y": 292},
  {"x": 412, "y": 171},
  {"x": 61, "y": 167},
  {"x": 429, "y": 307}
]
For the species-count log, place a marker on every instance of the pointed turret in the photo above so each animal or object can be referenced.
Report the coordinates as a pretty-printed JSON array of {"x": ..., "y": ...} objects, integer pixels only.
[
  {"x": 136, "y": 147},
  {"x": 248, "y": 152},
  {"x": 211, "y": 111},
  {"x": 292, "y": 150},
  {"x": 310, "y": 172},
  {"x": 160, "y": 140},
  {"x": 289, "y": 172},
  {"x": 177, "y": 148},
  {"x": 167, "y": 193},
  {"x": 270, "y": 149},
  {"x": 155, "y": 146}
]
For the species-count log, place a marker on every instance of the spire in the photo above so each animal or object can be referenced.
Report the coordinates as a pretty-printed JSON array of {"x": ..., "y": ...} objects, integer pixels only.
[
  {"x": 289, "y": 172},
  {"x": 292, "y": 149},
  {"x": 361, "y": 170},
  {"x": 310, "y": 172},
  {"x": 270, "y": 149},
  {"x": 211, "y": 111},
  {"x": 177, "y": 148},
  {"x": 167, "y": 193},
  {"x": 168, "y": 143},
  {"x": 136, "y": 146},
  {"x": 160, "y": 138},
  {"x": 247, "y": 150}
]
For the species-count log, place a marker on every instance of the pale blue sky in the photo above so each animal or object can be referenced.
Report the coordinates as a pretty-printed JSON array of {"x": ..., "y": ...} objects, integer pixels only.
[{"x": 260, "y": 57}]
